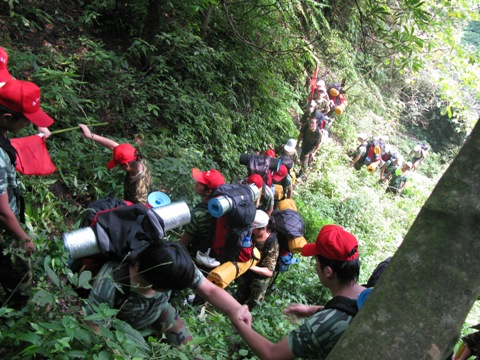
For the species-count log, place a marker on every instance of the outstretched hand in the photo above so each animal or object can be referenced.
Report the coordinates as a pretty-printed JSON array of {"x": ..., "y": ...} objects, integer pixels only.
[
  {"x": 241, "y": 315},
  {"x": 85, "y": 131}
]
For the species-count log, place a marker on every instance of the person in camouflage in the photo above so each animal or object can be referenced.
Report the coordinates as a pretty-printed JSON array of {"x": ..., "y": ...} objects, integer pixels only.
[
  {"x": 252, "y": 286},
  {"x": 138, "y": 179},
  {"x": 199, "y": 232},
  {"x": 162, "y": 267},
  {"x": 19, "y": 106},
  {"x": 338, "y": 268},
  {"x": 399, "y": 178}
]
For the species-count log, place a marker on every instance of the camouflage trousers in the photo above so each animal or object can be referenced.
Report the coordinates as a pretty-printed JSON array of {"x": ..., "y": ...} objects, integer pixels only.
[{"x": 251, "y": 289}]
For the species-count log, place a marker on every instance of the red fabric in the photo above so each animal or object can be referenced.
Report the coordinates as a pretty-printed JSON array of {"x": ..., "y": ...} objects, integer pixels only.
[
  {"x": 313, "y": 81},
  {"x": 32, "y": 156}
]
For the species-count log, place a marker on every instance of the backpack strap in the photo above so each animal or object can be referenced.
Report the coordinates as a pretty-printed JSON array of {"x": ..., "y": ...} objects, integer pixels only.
[{"x": 344, "y": 304}]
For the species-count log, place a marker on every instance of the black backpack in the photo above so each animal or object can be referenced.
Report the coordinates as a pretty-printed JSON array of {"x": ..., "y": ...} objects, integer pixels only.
[
  {"x": 234, "y": 229},
  {"x": 122, "y": 233}
]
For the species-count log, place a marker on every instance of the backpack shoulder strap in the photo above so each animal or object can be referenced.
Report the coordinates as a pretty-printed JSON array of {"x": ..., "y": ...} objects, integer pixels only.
[{"x": 344, "y": 304}]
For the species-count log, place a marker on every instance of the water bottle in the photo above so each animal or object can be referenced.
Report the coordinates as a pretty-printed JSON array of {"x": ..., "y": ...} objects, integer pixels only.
[{"x": 247, "y": 242}]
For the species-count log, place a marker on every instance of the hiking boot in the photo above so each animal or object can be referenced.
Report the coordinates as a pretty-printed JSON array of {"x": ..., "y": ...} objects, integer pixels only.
[{"x": 205, "y": 260}]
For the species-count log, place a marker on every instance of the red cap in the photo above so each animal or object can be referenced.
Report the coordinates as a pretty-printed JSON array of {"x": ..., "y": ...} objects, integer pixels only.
[
  {"x": 24, "y": 97},
  {"x": 270, "y": 153},
  {"x": 122, "y": 154},
  {"x": 333, "y": 243},
  {"x": 255, "y": 179},
  {"x": 4, "y": 74},
  {"x": 211, "y": 178},
  {"x": 280, "y": 174}
]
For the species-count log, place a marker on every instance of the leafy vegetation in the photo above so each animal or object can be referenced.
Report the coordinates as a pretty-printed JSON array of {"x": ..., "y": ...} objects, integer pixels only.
[{"x": 197, "y": 83}]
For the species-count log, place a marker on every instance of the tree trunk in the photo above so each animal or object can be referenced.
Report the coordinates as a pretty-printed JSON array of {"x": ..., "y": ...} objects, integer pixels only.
[{"x": 420, "y": 304}]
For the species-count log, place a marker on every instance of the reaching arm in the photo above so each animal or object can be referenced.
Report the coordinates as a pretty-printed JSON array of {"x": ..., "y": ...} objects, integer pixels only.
[
  {"x": 86, "y": 133},
  {"x": 262, "y": 271},
  {"x": 224, "y": 302},
  {"x": 261, "y": 346}
]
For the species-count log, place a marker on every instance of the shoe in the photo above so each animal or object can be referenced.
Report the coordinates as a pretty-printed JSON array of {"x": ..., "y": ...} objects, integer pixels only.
[{"x": 205, "y": 260}]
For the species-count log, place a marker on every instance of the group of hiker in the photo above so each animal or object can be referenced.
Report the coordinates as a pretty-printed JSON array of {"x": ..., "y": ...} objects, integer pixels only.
[
  {"x": 261, "y": 228},
  {"x": 375, "y": 155}
]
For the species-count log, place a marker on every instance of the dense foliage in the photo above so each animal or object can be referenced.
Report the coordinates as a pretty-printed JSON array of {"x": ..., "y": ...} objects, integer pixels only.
[{"x": 195, "y": 84}]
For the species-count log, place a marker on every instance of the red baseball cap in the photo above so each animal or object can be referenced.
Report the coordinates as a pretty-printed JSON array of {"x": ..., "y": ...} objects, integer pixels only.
[
  {"x": 24, "y": 97},
  {"x": 212, "y": 178},
  {"x": 255, "y": 179},
  {"x": 333, "y": 243},
  {"x": 270, "y": 153},
  {"x": 4, "y": 73},
  {"x": 122, "y": 154},
  {"x": 280, "y": 174}
]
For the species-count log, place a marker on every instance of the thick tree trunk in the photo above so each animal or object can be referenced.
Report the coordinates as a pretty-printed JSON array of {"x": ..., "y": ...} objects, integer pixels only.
[{"x": 420, "y": 304}]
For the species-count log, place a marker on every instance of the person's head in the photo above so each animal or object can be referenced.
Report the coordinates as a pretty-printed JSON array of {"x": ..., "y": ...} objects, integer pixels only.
[
  {"x": 362, "y": 137},
  {"x": 312, "y": 122},
  {"x": 20, "y": 105},
  {"x": 4, "y": 73},
  {"x": 336, "y": 252},
  {"x": 255, "y": 179},
  {"x": 166, "y": 266},
  {"x": 280, "y": 174},
  {"x": 270, "y": 153},
  {"x": 407, "y": 166},
  {"x": 290, "y": 146},
  {"x": 126, "y": 157},
  {"x": 207, "y": 181},
  {"x": 262, "y": 224}
]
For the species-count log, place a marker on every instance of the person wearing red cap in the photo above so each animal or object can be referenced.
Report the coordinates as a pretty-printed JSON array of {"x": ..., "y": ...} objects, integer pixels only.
[
  {"x": 283, "y": 178},
  {"x": 19, "y": 106},
  {"x": 265, "y": 200},
  {"x": 311, "y": 138},
  {"x": 200, "y": 231},
  {"x": 138, "y": 179},
  {"x": 338, "y": 268}
]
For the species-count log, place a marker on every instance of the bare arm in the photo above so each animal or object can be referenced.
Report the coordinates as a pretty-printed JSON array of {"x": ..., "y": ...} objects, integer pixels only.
[
  {"x": 262, "y": 271},
  {"x": 10, "y": 222},
  {"x": 224, "y": 302},
  {"x": 86, "y": 133},
  {"x": 261, "y": 346}
]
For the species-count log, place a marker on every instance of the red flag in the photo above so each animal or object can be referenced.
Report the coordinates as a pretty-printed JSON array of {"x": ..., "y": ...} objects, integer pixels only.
[
  {"x": 32, "y": 156},
  {"x": 313, "y": 81}
]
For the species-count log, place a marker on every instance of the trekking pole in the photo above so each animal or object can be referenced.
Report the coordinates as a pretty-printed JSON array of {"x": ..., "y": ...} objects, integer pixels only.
[
  {"x": 75, "y": 128},
  {"x": 272, "y": 282}
]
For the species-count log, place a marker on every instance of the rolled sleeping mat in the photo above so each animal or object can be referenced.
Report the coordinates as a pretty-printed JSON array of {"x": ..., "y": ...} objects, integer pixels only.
[
  {"x": 287, "y": 161},
  {"x": 373, "y": 166},
  {"x": 340, "y": 109},
  {"x": 295, "y": 245},
  {"x": 158, "y": 198},
  {"x": 221, "y": 205},
  {"x": 287, "y": 204},
  {"x": 83, "y": 242},
  {"x": 279, "y": 193},
  {"x": 224, "y": 274}
]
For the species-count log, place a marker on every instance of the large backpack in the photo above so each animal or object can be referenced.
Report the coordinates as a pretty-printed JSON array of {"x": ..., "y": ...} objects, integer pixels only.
[
  {"x": 289, "y": 225},
  {"x": 233, "y": 230},
  {"x": 122, "y": 233},
  {"x": 261, "y": 165},
  {"x": 371, "y": 155}
]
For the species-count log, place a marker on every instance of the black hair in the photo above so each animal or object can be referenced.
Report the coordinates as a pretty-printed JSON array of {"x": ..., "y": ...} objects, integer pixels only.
[
  {"x": 5, "y": 141},
  {"x": 347, "y": 271},
  {"x": 271, "y": 226},
  {"x": 166, "y": 266}
]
